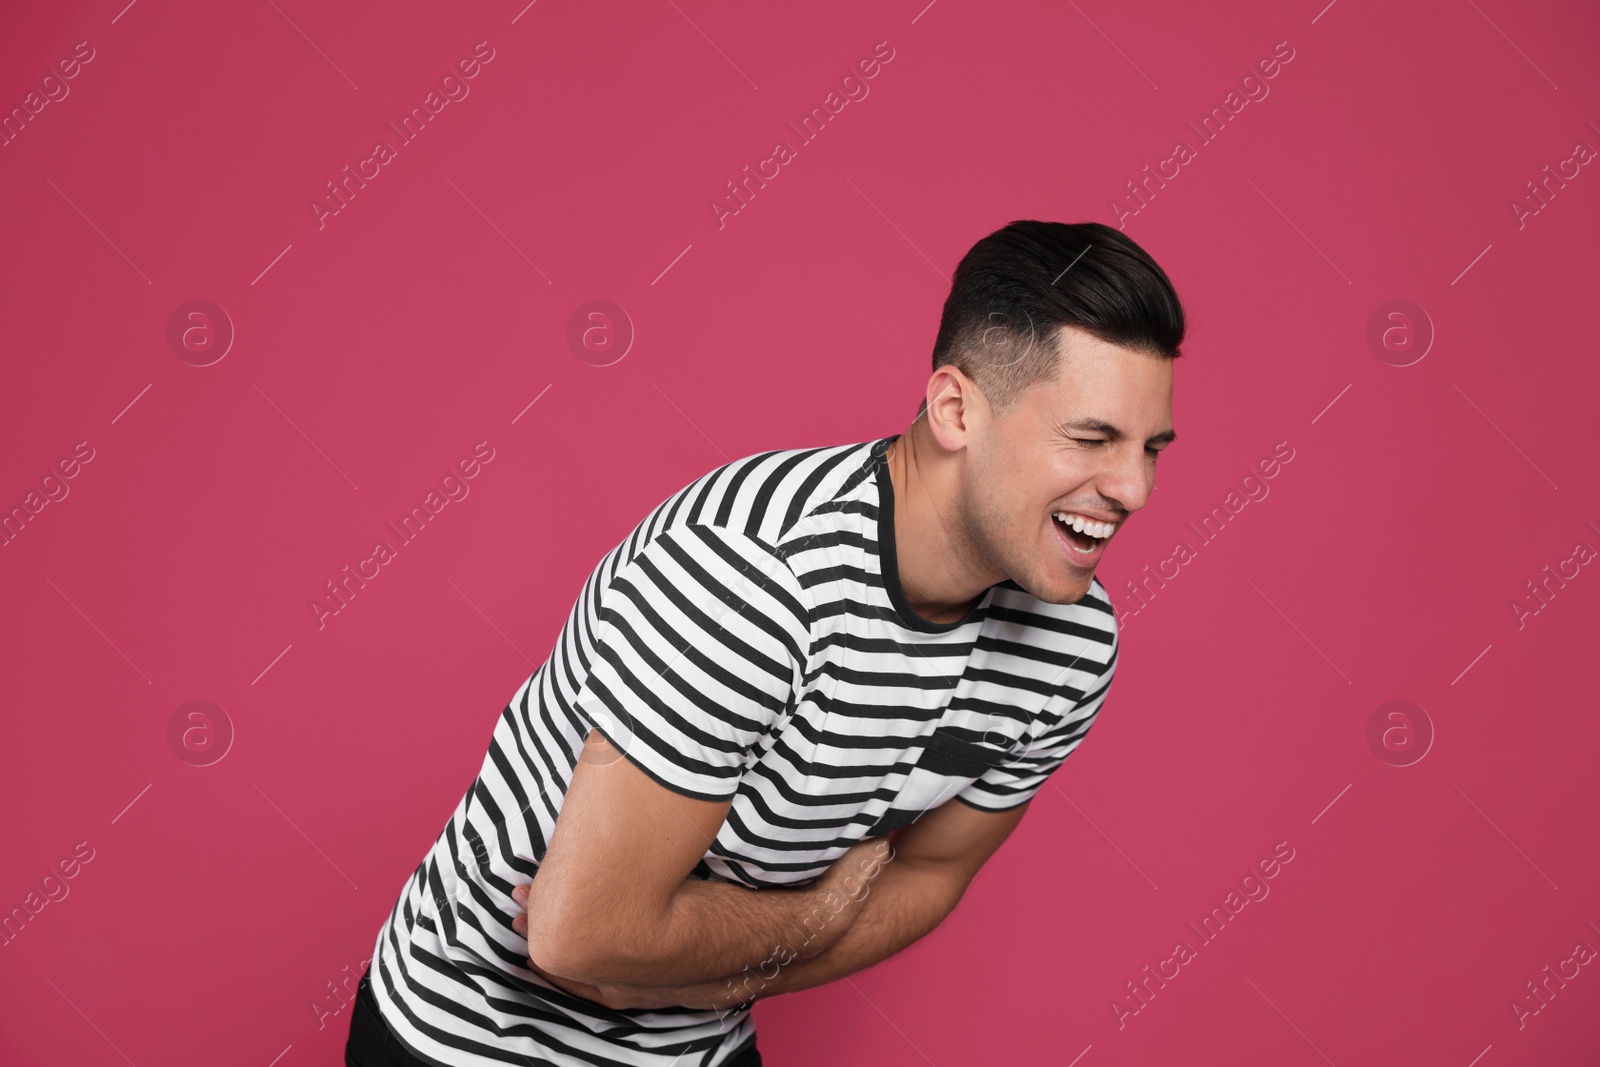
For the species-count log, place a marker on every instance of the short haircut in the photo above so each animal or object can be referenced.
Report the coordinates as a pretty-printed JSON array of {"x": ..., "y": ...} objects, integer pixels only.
[{"x": 1015, "y": 287}]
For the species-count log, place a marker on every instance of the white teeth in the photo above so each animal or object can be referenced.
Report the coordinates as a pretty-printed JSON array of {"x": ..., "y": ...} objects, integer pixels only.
[{"x": 1098, "y": 530}]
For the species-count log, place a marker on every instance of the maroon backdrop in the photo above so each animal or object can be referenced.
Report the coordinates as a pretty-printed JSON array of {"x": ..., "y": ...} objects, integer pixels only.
[{"x": 1355, "y": 719}]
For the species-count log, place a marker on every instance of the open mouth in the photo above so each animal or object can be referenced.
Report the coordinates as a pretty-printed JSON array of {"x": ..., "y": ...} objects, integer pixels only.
[{"x": 1085, "y": 536}]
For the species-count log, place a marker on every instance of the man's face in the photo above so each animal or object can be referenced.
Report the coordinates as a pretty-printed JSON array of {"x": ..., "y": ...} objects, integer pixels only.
[{"x": 1083, "y": 445}]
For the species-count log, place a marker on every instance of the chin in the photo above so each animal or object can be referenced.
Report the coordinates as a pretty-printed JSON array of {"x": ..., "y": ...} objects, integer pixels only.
[
  {"x": 1079, "y": 590},
  {"x": 1058, "y": 591}
]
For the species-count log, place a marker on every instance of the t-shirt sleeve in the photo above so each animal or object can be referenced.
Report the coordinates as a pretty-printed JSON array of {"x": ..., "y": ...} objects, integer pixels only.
[
  {"x": 1053, "y": 736},
  {"x": 699, "y": 649}
]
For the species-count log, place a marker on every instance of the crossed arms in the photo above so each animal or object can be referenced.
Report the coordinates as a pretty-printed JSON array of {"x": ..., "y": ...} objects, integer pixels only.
[{"x": 613, "y": 917}]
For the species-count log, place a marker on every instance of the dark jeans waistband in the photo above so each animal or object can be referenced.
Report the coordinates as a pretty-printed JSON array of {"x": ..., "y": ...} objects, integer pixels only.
[{"x": 373, "y": 1044}]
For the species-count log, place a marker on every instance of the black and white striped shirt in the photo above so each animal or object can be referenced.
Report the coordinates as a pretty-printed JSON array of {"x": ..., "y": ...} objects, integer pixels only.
[{"x": 749, "y": 639}]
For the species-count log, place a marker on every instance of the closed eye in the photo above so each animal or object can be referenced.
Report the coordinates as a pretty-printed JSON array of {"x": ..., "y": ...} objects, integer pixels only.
[{"x": 1150, "y": 451}]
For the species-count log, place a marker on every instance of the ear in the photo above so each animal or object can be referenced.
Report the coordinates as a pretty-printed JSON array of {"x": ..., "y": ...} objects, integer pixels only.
[{"x": 956, "y": 408}]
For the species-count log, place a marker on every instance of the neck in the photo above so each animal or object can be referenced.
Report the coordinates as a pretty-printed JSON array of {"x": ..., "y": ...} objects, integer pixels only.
[{"x": 942, "y": 572}]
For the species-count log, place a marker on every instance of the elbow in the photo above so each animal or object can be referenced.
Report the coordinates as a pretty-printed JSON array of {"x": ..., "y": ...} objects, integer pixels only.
[
  {"x": 591, "y": 933},
  {"x": 565, "y": 945},
  {"x": 585, "y": 945},
  {"x": 559, "y": 958}
]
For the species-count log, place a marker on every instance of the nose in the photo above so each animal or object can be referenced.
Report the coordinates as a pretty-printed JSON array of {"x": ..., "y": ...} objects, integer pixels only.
[{"x": 1127, "y": 479}]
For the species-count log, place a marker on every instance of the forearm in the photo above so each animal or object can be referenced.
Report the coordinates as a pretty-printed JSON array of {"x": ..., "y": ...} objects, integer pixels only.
[
  {"x": 712, "y": 929},
  {"x": 903, "y": 903}
]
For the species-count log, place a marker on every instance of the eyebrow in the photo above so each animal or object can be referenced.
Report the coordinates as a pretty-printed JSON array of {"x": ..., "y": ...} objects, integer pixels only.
[{"x": 1112, "y": 433}]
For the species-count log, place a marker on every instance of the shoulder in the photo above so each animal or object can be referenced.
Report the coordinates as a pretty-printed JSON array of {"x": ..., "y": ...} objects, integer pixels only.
[
  {"x": 768, "y": 504},
  {"x": 765, "y": 494}
]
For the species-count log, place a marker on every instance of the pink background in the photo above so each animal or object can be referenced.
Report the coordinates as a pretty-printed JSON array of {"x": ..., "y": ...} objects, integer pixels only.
[{"x": 432, "y": 310}]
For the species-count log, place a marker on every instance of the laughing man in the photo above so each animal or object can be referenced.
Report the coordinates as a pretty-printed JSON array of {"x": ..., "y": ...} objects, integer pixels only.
[{"x": 794, "y": 712}]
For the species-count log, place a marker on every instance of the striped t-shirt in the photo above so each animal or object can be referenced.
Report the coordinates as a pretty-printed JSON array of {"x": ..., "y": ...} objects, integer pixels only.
[{"x": 749, "y": 639}]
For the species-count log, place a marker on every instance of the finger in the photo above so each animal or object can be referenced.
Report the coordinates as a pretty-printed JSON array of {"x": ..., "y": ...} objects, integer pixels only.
[
  {"x": 520, "y": 895},
  {"x": 520, "y": 924}
]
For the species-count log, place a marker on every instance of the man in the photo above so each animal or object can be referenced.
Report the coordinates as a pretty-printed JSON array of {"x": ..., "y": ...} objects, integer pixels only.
[{"x": 801, "y": 704}]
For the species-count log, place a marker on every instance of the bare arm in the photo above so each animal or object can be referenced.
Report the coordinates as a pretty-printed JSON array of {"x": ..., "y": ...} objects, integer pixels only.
[
  {"x": 933, "y": 862},
  {"x": 612, "y": 903}
]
